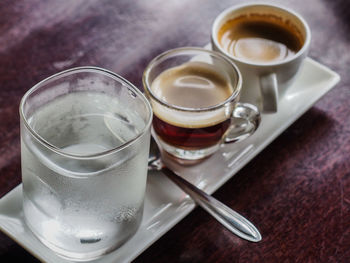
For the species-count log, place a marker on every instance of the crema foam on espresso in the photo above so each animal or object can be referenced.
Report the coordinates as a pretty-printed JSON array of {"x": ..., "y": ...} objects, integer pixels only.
[{"x": 191, "y": 85}]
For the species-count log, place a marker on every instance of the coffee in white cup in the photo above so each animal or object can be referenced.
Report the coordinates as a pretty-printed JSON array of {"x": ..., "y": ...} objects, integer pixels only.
[{"x": 268, "y": 43}]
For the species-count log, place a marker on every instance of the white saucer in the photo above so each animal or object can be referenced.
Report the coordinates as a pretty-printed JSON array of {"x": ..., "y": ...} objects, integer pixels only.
[{"x": 165, "y": 204}]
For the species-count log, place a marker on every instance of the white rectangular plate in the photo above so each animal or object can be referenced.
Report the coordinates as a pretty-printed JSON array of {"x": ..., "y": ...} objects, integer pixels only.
[{"x": 165, "y": 204}]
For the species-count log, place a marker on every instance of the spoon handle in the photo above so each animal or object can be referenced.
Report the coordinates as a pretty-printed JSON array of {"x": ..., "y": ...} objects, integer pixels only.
[{"x": 225, "y": 215}]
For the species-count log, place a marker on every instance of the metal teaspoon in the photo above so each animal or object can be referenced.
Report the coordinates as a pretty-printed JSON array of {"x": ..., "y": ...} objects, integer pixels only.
[{"x": 225, "y": 215}]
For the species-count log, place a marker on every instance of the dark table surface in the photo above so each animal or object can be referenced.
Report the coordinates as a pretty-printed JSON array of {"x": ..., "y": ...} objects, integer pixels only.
[{"x": 297, "y": 190}]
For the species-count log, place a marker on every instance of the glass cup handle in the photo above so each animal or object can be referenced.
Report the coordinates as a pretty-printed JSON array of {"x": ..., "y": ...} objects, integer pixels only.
[{"x": 245, "y": 120}]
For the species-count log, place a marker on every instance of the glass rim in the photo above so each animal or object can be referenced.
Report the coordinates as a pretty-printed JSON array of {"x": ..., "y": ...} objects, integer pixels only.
[
  {"x": 183, "y": 50},
  {"x": 98, "y": 70}
]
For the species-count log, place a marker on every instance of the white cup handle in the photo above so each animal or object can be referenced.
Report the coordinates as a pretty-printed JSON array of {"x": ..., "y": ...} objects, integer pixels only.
[
  {"x": 269, "y": 92},
  {"x": 245, "y": 120}
]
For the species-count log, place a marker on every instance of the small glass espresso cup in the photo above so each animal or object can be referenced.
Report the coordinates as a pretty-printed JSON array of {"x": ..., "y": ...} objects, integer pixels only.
[
  {"x": 194, "y": 95},
  {"x": 85, "y": 136}
]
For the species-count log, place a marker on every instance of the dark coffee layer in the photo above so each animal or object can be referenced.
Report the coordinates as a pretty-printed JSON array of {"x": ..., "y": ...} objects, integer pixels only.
[{"x": 190, "y": 138}]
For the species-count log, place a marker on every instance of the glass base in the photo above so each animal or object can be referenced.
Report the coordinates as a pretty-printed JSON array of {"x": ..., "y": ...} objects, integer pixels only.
[
  {"x": 69, "y": 245},
  {"x": 188, "y": 154},
  {"x": 77, "y": 256}
]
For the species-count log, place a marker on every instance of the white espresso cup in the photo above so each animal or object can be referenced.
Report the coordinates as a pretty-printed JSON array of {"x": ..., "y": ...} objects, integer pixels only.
[{"x": 265, "y": 81}]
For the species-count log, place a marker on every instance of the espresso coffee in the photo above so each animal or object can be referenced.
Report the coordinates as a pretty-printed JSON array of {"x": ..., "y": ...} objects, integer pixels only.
[
  {"x": 192, "y": 85},
  {"x": 260, "y": 38}
]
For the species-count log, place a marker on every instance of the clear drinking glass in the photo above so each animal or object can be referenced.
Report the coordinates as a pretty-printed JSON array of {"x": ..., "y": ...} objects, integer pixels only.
[{"x": 85, "y": 136}]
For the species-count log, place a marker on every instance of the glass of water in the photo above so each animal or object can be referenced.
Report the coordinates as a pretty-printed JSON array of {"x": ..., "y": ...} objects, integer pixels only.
[{"x": 85, "y": 136}]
